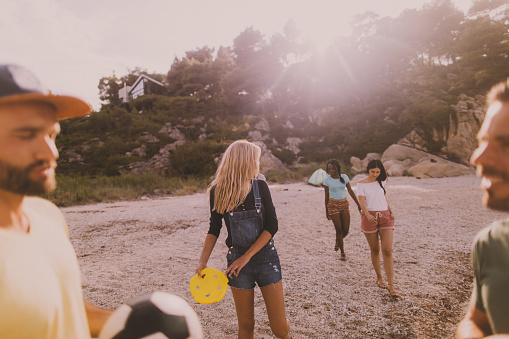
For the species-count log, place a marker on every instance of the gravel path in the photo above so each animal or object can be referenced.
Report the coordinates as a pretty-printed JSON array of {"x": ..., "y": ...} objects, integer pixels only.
[{"x": 127, "y": 249}]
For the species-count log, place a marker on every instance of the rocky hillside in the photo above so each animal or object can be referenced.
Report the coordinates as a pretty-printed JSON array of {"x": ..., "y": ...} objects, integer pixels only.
[{"x": 138, "y": 143}]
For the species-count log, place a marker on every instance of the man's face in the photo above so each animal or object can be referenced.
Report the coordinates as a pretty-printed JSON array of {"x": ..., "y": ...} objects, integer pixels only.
[
  {"x": 28, "y": 152},
  {"x": 492, "y": 156}
]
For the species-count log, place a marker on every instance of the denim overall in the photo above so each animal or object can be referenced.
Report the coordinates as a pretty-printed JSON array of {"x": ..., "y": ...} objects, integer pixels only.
[{"x": 245, "y": 227}]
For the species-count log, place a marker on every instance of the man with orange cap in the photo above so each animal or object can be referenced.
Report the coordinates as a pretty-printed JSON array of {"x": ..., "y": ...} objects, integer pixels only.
[{"x": 40, "y": 287}]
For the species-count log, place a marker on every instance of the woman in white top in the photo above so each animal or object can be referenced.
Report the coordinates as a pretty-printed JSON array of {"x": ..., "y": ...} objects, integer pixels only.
[{"x": 377, "y": 222}]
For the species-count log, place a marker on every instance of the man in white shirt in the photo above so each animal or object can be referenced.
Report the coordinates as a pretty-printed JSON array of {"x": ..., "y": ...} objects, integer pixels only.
[{"x": 40, "y": 287}]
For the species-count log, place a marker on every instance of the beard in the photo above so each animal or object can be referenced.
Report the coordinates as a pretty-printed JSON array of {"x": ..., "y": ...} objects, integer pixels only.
[
  {"x": 496, "y": 203},
  {"x": 17, "y": 180}
]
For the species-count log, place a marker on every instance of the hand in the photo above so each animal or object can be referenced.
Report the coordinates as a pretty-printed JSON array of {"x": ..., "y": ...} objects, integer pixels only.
[
  {"x": 200, "y": 267},
  {"x": 327, "y": 215},
  {"x": 236, "y": 266},
  {"x": 392, "y": 215},
  {"x": 370, "y": 218}
]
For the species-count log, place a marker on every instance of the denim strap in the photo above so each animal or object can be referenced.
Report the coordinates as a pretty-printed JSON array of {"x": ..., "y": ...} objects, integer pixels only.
[{"x": 257, "y": 198}]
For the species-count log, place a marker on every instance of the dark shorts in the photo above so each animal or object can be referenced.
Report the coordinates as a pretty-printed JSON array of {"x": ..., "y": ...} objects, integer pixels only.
[
  {"x": 383, "y": 222},
  {"x": 263, "y": 269}
]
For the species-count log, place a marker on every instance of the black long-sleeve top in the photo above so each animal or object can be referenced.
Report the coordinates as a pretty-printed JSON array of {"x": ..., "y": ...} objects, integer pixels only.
[{"x": 270, "y": 222}]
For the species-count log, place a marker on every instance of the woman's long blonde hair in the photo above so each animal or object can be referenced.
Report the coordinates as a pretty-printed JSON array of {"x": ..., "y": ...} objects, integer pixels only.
[{"x": 239, "y": 164}]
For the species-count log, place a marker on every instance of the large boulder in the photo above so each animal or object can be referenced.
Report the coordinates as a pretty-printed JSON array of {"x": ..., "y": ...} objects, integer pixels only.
[
  {"x": 459, "y": 136},
  {"x": 267, "y": 160},
  {"x": 402, "y": 160},
  {"x": 359, "y": 166},
  {"x": 463, "y": 127},
  {"x": 442, "y": 168}
]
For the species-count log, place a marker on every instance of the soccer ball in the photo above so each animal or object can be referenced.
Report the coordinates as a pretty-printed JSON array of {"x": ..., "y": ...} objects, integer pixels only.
[{"x": 158, "y": 315}]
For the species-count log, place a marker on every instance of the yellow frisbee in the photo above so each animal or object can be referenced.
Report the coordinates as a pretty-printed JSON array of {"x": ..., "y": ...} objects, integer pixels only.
[{"x": 210, "y": 288}]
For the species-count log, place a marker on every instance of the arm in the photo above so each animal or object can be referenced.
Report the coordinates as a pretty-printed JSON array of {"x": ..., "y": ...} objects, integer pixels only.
[
  {"x": 97, "y": 317},
  {"x": 354, "y": 197},
  {"x": 208, "y": 246},
  {"x": 326, "y": 202},
  {"x": 474, "y": 325},
  {"x": 364, "y": 208},
  {"x": 390, "y": 210},
  {"x": 238, "y": 264}
]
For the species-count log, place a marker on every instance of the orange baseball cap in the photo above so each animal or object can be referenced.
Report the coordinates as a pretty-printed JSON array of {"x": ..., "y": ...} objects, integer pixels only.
[{"x": 18, "y": 84}]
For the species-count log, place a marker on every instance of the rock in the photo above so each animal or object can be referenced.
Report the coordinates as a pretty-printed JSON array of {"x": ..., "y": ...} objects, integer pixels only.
[
  {"x": 293, "y": 144},
  {"x": 289, "y": 124},
  {"x": 166, "y": 129},
  {"x": 72, "y": 156},
  {"x": 439, "y": 169},
  {"x": 255, "y": 135},
  {"x": 173, "y": 132},
  {"x": 459, "y": 136},
  {"x": 397, "y": 168},
  {"x": 146, "y": 136},
  {"x": 267, "y": 160},
  {"x": 359, "y": 166},
  {"x": 401, "y": 160},
  {"x": 414, "y": 139},
  {"x": 139, "y": 151},
  {"x": 262, "y": 125},
  {"x": 176, "y": 134},
  {"x": 401, "y": 153},
  {"x": 462, "y": 137}
]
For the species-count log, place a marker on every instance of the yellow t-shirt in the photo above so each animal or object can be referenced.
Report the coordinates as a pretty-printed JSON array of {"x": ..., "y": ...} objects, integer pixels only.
[{"x": 40, "y": 287}]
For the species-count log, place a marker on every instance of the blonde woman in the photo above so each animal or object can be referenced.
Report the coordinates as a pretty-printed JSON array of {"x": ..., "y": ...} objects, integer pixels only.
[{"x": 250, "y": 217}]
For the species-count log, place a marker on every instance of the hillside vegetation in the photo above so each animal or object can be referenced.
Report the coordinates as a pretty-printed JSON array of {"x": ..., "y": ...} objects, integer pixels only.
[{"x": 360, "y": 95}]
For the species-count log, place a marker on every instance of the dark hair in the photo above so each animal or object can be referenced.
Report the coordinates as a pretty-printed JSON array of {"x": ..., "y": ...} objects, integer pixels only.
[
  {"x": 383, "y": 174},
  {"x": 499, "y": 92},
  {"x": 337, "y": 166}
]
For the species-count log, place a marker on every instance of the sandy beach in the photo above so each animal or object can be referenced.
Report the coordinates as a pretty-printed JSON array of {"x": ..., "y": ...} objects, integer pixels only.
[{"x": 127, "y": 249}]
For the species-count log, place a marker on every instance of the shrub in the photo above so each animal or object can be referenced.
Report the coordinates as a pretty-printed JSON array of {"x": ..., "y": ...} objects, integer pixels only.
[
  {"x": 285, "y": 155},
  {"x": 196, "y": 158}
]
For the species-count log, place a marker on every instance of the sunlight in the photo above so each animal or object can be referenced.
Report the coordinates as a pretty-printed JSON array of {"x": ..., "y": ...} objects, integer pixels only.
[{"x": 320, "y": 32}]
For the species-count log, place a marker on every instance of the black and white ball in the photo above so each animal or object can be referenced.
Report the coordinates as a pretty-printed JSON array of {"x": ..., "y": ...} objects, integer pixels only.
[{"x": 158, "y": 315}]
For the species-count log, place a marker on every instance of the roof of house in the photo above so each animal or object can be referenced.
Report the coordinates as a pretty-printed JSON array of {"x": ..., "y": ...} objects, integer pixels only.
[{"x": 143, "y": 76}]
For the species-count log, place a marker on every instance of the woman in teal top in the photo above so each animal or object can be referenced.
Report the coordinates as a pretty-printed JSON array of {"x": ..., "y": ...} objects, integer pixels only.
[{"x": 336, "y": 204}]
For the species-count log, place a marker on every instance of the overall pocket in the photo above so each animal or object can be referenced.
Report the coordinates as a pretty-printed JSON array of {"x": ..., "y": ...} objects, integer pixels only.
[
  {"x": 271, "y": 247},
  {"x": 245, "y": 228}
]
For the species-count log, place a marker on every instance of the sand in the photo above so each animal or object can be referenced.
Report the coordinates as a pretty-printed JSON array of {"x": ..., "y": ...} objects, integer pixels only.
[{"x": 128, "y": 249}]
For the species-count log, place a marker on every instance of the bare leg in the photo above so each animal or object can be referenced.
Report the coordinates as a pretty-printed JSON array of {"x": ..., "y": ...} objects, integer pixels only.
[
  {"x": 345, "y": 223},
  {"x": 244, "y": 305},
  {"x": 336, "y": 219},
  {"x": 386, "y": 240},
  {"x": 374, "y": 247},
  {"x": 275, "y": 303}
]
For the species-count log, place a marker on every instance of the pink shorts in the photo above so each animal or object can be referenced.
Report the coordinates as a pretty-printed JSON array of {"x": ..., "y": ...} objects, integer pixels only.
[{"x": 383, "y": 222}]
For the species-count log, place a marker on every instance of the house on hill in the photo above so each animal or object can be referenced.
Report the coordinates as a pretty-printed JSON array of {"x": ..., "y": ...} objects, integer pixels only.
[{"x": 142, "y": 86}]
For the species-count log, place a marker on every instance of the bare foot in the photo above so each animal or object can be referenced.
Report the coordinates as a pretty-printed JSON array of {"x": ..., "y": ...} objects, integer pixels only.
[
  {"x": 343, "y": 257},
  {"x": 380, "y": 283},
  {"x": 392, "y": 291}
]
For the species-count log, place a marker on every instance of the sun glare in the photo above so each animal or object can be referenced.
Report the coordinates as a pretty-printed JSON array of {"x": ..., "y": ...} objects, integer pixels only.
[{"x": 320, "y": 33}]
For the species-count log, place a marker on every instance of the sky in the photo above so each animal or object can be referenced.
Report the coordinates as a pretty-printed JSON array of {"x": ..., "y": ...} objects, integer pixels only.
[{"x": 71, "y": 44}]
